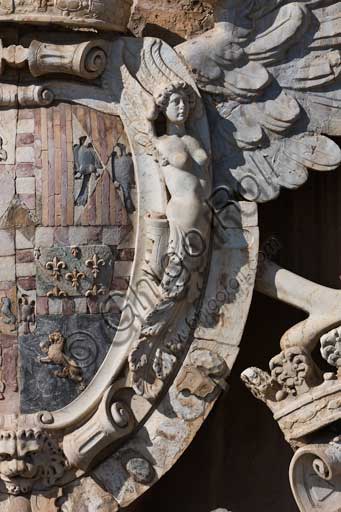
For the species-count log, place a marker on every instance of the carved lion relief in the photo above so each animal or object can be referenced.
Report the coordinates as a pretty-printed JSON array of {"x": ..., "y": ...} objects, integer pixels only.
[
  {"x": 130, "y": 176},
  {"x": 105, "y": 275}
]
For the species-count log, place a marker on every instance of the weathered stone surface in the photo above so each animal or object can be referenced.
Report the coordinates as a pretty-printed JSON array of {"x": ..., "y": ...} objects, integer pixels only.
[
  {"x": 6, "y": 242},
  {"x": 76, "y": 273},
  {"x": 162, "y": 327},
  {"x": 87, "y": 341},
  {"x": 87, "y": 495},
  {"x": 173, "y": 21}
]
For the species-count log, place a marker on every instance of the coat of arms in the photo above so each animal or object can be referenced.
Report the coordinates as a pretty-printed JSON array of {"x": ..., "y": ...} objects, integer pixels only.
[{"x": 130, "y": 176}]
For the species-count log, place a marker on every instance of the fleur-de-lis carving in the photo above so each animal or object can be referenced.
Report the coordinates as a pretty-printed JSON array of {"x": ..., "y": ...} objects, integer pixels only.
[
  {"x": 56, "y": 293},
  {"x": 95, "y": 291},
  {"x": 75, "y": 277},
  {"x": 95, "y": 263},
  {"x": 56, "y": 266}
]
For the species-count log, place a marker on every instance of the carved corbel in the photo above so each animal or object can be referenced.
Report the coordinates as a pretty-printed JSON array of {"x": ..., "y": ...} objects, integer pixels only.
[
  {"x": 112, "y": 422},
  {"x": 25, "y": 96},
  {"x": 86, "y": 60}
]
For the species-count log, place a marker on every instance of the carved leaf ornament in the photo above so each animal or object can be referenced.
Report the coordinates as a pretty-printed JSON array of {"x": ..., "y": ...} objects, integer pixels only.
[{"x": 144, "y": 347}]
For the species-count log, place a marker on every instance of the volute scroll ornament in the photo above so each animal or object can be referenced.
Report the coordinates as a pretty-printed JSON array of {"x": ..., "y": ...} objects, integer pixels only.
[
  {"x": 129, "y": 242},
  {"x": 87, "y": 60},
  {"x": 105, "y": 322}
]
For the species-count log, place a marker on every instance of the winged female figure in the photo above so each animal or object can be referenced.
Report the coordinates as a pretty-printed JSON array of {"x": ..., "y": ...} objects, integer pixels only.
[{"x": 184, "y": 168}]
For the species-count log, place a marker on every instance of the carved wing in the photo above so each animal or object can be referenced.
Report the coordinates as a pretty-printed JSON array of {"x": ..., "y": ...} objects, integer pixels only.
[
  {"x": 137, "y": 107},
  {"x": 271, "y": 70}
]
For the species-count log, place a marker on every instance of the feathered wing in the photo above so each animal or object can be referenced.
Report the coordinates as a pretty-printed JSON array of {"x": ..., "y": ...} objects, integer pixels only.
[
  {"x": 272, "y": 71},
  {"x": 137, "y": 106},
  {"x": 153, "y": 71},
  {"x": 137, "y": 102},
  {"x": 160, "y": 345}
]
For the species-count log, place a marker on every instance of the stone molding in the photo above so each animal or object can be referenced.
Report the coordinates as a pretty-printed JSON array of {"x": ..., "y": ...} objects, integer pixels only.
[{"x": 106, "y": 15}]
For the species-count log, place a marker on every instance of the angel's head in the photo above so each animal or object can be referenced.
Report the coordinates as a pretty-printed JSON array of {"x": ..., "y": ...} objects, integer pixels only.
[{"x": 176, "y": 101}]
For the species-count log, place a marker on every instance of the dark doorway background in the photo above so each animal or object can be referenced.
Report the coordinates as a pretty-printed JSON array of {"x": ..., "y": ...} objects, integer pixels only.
[{"x": 239, "y": 460}]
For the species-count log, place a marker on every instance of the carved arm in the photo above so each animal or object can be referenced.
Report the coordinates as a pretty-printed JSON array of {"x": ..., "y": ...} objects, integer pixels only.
[{"x": 322, "y": 304}]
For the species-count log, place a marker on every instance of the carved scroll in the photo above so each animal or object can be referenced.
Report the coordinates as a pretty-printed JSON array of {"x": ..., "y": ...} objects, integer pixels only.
[
  {"x": 86, "y": 60},
  {"x": 26, "y": 96},
  {"x": 112, "y": 421}
]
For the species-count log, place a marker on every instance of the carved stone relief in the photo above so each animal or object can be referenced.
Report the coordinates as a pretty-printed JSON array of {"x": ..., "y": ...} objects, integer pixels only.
[
  {"x": 130, "y": 174},
  {"x": 100, "y": 335}
]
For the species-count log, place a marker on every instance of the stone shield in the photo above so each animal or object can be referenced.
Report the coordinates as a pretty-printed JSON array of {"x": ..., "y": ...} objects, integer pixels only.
[
  {"x": 64, "y": 249},
  {"x": 124, "y": 289}
]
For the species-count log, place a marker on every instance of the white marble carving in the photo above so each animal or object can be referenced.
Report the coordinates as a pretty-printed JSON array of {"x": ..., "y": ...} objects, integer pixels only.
[
  {"x": 269, "y": 74},
  {"x": 305, "y": 401},
  {"x": 266, "y": 74}
]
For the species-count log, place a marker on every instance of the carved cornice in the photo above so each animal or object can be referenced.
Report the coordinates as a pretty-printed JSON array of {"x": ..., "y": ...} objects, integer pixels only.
[{"x": 110, "y": 15}]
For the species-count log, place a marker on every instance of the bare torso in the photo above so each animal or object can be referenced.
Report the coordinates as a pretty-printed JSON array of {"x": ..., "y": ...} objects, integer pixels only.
[{"x": 186, "y": 178}]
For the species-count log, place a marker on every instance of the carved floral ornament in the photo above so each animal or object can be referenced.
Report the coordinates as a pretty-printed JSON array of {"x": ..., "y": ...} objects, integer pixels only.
[{"x": 182, "y": 318}]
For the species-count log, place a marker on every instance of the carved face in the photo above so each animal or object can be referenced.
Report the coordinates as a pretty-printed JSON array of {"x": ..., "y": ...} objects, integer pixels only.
[
  {"x": 177, "y": 110},
  {"x": 27, "y": 456}
]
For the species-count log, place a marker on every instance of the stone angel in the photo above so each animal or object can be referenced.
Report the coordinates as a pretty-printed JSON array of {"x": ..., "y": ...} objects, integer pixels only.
[
  {"x": 184, "y": 167},
  {"x": 183, "y": 161}
]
